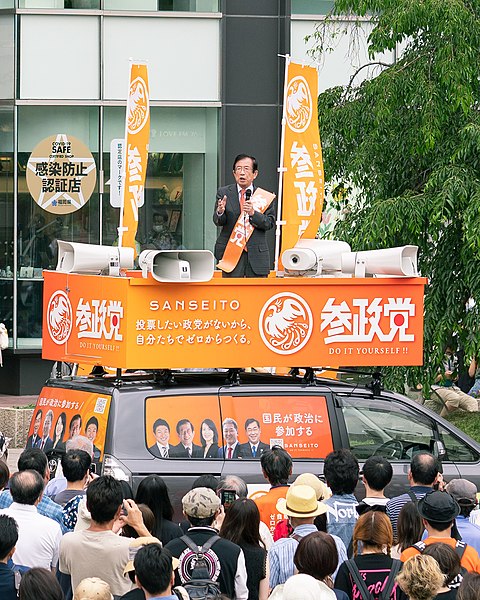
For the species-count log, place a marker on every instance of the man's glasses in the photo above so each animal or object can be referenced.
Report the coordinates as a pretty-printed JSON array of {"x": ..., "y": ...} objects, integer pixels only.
[{"x": 244, "y": 169}]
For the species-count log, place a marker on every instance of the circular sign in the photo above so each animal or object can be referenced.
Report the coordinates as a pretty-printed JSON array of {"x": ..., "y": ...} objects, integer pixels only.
[
  {"x": 59, "y": 317},
  {"x": 61, "y": 174},
  {"x": 299, "y": 105},
  {"x": 285, "y": 323}
]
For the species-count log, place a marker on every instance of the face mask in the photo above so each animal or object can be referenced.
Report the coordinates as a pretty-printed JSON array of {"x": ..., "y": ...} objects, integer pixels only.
[{"x": 157, "y": 228}]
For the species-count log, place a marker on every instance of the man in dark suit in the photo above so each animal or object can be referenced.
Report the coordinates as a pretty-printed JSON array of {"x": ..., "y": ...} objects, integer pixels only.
[
  {"x": 161, "y": 431},
  {"x": 230, "y": 435},
  {"x": 34, "y": 440},
  {"x": 186, "y": 448},
  {"x": 254, "y": 448},
  {"x": 46, "y": 443},
  {"x": 255, "y": 259}
]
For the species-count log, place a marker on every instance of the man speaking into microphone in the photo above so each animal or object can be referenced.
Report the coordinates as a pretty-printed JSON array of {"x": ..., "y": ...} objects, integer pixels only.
[{"x": 241, "y": 248}]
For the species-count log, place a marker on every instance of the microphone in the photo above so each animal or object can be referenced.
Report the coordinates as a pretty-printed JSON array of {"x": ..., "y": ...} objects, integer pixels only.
[{"x": 248, "y": 195}]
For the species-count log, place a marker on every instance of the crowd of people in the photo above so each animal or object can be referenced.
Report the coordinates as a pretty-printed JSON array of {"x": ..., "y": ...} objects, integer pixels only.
[{"x": 87, "y": 537}]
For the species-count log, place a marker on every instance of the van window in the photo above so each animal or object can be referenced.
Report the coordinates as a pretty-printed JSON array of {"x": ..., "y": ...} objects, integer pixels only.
[
  {"x": 252, "y": 424},
  {"x": 385, "y": 428},
  {"x": 183, "y": 426},
  {"x": 456, "y": 449}
]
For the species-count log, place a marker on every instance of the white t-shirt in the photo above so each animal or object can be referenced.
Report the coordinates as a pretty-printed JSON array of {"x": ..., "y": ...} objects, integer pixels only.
[{"x": 38, "y": 537}]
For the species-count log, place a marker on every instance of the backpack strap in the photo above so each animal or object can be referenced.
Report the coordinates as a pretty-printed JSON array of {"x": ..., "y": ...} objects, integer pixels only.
[
  {"x": 358, "y": 580},
  {"x": 295, "y": 537},
  {"x": 413, "y": 497},
  {"x": 209, "y": 543},
  {"x": 387, "y": 590},
  {"x": 460, "y": 548},
  {"x": 420, "y": 546},
  {"x": 199, "y": 549}
]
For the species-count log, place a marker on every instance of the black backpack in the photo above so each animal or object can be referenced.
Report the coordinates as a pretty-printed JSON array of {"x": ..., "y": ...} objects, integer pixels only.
[
  {"x": 364, "y": 592},
  {"x": 200, "y": 586},
  {"x": 460, "y": 548}
]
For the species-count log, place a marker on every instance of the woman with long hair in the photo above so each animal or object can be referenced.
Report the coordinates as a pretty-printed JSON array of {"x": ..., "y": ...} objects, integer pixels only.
[
  {"x": 409, "y": 528},
  {"x": 241, "y": 526},
  {"x": 470, "y": 587},
  {"x": 373, "y": 536},
  {"x": 209, "y": 438},
  {"x": 421, "y": 577},
  {"x": 449, "y": 562},
  {"x": 153, "y": 492},
  {"x": 59, "y": 431}
]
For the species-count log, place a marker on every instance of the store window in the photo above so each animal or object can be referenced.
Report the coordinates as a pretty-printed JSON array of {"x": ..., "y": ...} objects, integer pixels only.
[
  {"x": 312, "y": 7},
  {"x": 59, "y": 4}
]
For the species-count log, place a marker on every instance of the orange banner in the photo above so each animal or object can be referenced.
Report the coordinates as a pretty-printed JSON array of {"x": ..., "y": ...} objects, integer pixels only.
[
  {"x": 242, "y": 231},
  {"x": 131, "y": 322},
  {"x": 62, "y": 413},
  {"x": 137, "y": 135},
  {"x": 303, "y": 182}
]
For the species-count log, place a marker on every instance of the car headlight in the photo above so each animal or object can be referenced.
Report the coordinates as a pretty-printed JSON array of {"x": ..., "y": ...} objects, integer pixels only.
[{"x": 111, "y": 466}]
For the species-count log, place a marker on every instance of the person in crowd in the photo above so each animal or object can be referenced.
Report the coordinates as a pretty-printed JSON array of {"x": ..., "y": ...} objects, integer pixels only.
[
  {"x": 470, "y": 587},
  {"x": 153, "y": 492},
  {"x": 233, "y": 202},
  {"x": 34, "y": 440},
  {"x": 46, "y": 442},
  {"x": 75, "y": 426},
  {"x": 276, "y": 468},
  {"x": 59, "y": 432},
  {"x": 36, "y": 460},
  {"x": 372, "y": 540},
  {"x": 232, "y": 447},
  {"x": 154, "y": 239},
  {"x": 4, "y": 474},
  {"x": 439, "y": 511},
  {"x": 242, "y": 527},
  {"x": 91, "y": 430},
  {"x": 409, "y": 528},
  {"x": 227, "y": 562},
  {"x": 92, "y": 588},
  {"x": 59, "y": 482},
  {"x": 302, "y": 587},
  {"x": 301, "y": 506},
  {"x": 449, "y": 562},
  {"x": 422, "y": 476},
  {"x": 38, "y": 536},
  {"x": 154, "y": 572},
  {"x": 209, "y": 438},
  {"x": 39, "y": 584},
  {"x": 238, "y": 485},
  {"x": 76, "y": 469},
  {"x": 161, "y": 431},
  {"x": 98, "y": 551},
  {"x": 421, "y": 578},
  {"x": 135, "y": 544},
  {"x": 148, "y": 520},
  {"x": 376, "y": 475},
  {"x": 8, "y": 539},
  {"x": 446, "y": 388},
  {"x": 465, "y": 493},
  {"x": 317, "y": 556},
  {"x": 474, "y": 373},
  {"x": 186, "y": 448},
  {"x": 341, "y": 474},
  {"x": 254, "y": 448}
]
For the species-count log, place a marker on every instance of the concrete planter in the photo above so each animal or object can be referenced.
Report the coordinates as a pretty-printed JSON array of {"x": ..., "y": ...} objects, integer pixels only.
[{"x": 14, "y": 423}]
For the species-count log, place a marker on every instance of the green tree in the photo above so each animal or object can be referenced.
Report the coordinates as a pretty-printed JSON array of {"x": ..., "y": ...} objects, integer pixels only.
[{"x": 409, "y": 140}]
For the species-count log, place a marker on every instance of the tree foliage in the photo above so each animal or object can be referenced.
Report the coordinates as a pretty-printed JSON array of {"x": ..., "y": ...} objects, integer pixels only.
[{"x": 409, "y": 139}]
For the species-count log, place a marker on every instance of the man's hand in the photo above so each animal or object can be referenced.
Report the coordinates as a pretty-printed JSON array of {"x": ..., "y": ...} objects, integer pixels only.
[
  {"x": 133, "y": 517},
  {"x": 248, "y": 208},
  {"x": 221, "y": 203}
]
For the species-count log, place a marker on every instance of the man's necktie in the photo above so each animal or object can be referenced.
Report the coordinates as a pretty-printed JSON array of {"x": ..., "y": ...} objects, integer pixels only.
[
  {"x": 254, "y": 451},
  {"x": 229, "y": 452},
  {"x": 164, "y": 452},
  {"x": 189, "y": 452},
  {"x": 42, "y": 444}
]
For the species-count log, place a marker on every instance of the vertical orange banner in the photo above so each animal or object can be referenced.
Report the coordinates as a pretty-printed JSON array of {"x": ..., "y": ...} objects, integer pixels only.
[
  {"x": 137, "y": 135},
  {"x": 303, "y": 182}
]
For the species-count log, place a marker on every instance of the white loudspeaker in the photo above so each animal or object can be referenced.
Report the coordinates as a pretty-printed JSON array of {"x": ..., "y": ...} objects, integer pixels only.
[
  {"x": 177, "y": 265},
  {"x": 400, "y": 261},
  {"x": 311, "y": 258},
  {"x": 89, "y": 258}
]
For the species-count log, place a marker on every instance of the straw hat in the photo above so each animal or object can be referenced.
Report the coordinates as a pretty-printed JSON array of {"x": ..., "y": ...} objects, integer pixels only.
[
  {"x": 321, "y": 490},
  {"x": 92, "y": 588},
  {"x": 301, "y": 502}
]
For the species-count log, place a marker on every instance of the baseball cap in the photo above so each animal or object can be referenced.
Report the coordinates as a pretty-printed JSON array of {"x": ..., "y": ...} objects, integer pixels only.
[
  {"x": 93, "y": 587},
  {"x": 201, "y": 503},
  {"x": 464, "y": 491},
  {"x": 438, "y": 506},
  {"x": 134, "y": 547}
]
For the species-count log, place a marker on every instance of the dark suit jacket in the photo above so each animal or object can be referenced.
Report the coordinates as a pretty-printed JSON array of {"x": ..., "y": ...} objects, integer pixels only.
[
  {"x": 31, "y": 443},
  {"x": 212, "y": 451},
  {"x": 246, "y": 449},
  {"x": 258, "y": 254},
  {"x": 48, "y": 444},
  {"x": 237, "y": 453},
  {"x": 156, "y": 452},
  {"x": 180, "y": 452}
]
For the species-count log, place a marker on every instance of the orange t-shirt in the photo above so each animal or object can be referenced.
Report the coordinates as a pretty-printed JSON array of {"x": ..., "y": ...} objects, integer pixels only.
[
  {"x": 470, "y": 559},
  {"x": 267, "y": 505}
]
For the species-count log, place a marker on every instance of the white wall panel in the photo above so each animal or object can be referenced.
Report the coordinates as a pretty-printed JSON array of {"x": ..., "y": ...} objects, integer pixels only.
[
  {"x": 6, "y": 57},
  {"x": 183, "y": 57},
  {"x": 59, "y": 57}
]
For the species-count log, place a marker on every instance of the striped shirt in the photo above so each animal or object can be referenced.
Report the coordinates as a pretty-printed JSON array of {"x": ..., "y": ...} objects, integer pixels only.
[
  {"x": 46, "y": 507},
  {"x": 394, "y": 505}
]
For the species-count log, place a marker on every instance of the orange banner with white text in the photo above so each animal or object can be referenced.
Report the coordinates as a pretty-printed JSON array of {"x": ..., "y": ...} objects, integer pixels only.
[
  {"x": 137, "y": 135},
  {"x": 303, "y": 181}
]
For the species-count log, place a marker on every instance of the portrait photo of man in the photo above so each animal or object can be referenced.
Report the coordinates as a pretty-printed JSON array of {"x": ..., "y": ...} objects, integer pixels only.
[
  {"x": 161, "y": 431},
  {"x": 254, "y": 448}
]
